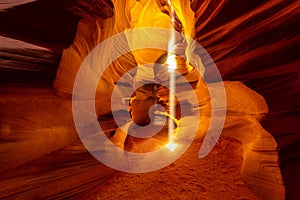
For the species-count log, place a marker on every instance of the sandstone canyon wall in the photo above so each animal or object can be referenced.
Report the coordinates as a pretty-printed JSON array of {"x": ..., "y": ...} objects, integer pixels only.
[{"x": 43, "y": 43}]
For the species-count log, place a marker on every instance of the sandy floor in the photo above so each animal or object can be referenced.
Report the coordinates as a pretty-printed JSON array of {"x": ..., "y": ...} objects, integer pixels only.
[{"x": 216, "y": 176}]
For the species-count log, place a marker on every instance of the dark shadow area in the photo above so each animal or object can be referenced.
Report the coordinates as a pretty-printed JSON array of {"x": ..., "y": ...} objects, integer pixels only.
[{"x": 44, "y": 22}]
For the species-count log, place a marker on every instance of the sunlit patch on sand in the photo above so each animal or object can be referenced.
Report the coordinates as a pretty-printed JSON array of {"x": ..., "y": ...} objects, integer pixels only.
[{"x": 172, "y": 146}]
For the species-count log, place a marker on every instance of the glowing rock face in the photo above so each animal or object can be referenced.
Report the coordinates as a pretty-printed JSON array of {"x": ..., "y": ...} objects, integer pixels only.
[{"x": 148, "y": 14}]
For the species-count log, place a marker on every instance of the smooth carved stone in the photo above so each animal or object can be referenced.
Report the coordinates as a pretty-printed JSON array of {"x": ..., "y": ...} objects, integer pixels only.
[{"x": 33, "y": 122}]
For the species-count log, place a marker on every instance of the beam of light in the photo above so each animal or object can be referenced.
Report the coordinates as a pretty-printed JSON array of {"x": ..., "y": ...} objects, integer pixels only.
[
  {"x": 171, "y": 45},
  {"x": 171, "y": 61},
  {"x": 172, "y": 66},
  {"x": 171, "y": 105}
]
